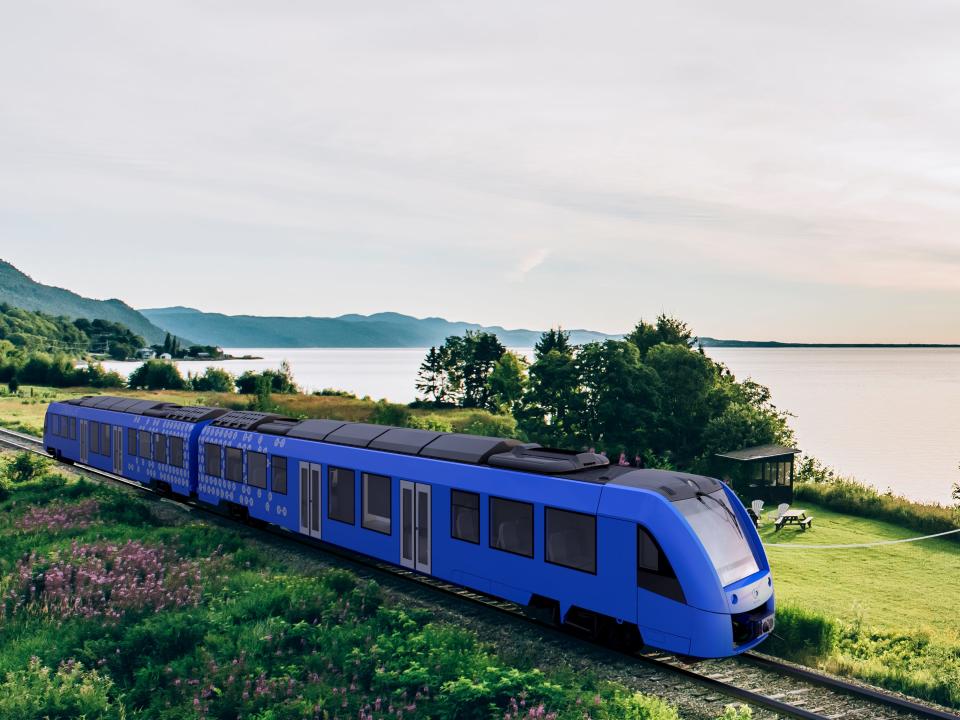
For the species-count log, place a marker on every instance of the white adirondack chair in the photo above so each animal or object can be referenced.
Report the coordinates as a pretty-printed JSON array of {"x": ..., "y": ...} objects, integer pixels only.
[
  {"x": 757, "y": 507},
  {"x": 781, "y": 509}
]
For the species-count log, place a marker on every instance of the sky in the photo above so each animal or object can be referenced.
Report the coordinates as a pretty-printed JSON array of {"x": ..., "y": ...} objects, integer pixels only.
[{"x": 761, "y": 170}]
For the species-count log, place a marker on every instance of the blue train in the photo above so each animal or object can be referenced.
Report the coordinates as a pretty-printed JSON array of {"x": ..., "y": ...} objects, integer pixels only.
[{"x": 629, "y": 555}]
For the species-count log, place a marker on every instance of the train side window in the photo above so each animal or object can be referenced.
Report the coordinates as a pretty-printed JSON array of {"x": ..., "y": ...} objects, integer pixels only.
[
  {"x": 234, "y": 464},
  {"x": 257, "y": 470},
  {"x": 341, "y": 491},
  {"x": 94, "y": 437},
  {"x": 146, "y": 452},
  {"x": 131, "y": 442},
  {"x": 511, "y": 526},
  {"x": 176, "y": 451},
  {"x": 278, "y": 474},
  {"x": 570, "y": 539},
  {"x": 654, "y": 571},
  {"x": 376, "y": 503},
  {"x": 105, "y": 439},
  {"x": 53, "y": 424},
  {"x": 211, "y": 459},
  {"x": 465, "y": 516},
  {"x": 160, "y": 448},
  {"x": 73, "y": 428}
]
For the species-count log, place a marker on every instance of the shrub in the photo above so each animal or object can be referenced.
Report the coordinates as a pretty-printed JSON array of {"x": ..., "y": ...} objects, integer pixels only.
[
  {"x": 802, "y": 633},
  {"x": 214, "y": 380},
  {"x": 70, "y": 692},
  {"x": 733, "y": 712},
  {"x": 25, "y": 466},
  {"x": 387, "y": 413},
  {"x": 157, "y": 375},
  {"x": 492, "y": 425},
  {"x": 429, "y": 422}
]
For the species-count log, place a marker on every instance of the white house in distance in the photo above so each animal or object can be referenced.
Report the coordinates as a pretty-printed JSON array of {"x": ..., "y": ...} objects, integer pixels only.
[{"x": 146, "y": 354}]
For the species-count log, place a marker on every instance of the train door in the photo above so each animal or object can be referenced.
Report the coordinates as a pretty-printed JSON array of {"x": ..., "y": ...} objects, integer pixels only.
[
  {"x": 310, "y": 499},
  {"x": 117, "y": 450},
  {"x": 415, "y": 530},
  {"x": 84, "y": 441}
]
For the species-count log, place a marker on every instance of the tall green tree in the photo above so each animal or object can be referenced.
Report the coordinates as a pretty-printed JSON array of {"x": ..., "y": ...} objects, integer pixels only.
[
  {"x": 669, "y": 330},
  {"x": 434, "y": 377},
  {"x": 550, "y": 400},
  {"x": 479, "y": 353},
  {"x": 507, "y": 381}
]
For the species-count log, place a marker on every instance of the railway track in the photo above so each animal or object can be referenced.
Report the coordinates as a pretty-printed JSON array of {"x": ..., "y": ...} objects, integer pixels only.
[{"x": 773, "y": 688}]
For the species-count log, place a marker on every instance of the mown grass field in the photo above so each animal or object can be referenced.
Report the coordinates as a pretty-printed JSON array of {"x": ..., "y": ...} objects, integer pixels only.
[{"x": 894, "y": 587}]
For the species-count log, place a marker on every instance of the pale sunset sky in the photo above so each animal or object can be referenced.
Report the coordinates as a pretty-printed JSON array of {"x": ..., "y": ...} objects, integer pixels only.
[{"x": 762, "y": 170}]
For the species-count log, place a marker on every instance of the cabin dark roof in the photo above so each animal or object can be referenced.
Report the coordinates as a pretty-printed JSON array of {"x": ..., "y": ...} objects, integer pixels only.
[{"x": 759, "y": 452}]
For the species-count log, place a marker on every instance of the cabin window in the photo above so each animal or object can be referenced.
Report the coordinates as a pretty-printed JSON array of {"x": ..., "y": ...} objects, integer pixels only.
[
  {"x": 131, "y": 442},
  {"x": 160, "y": 448},
  {"x": 211, "y": 459},
  {"x": 465, "y": 516},
  {"x": 570, "y": 539},
  {"x": 257, "y": 470},
  {"x": 376, "y": 503},
  {"x": 176, "y": 451},
  {"x": 341, "y": 485},
  {"x": 144, "y": 440},
  {"x": 511, "y": 526},
  {"x": 94, "y": 437},
  {"x": 105, "y": 439},
  {"x": 234, "y": 464},
  {"x": 278, "y": 472},
  {"x": 654, "y": 572}
]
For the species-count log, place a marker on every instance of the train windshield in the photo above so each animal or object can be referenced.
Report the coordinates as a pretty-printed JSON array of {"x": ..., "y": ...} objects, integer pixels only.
[{"x": 715, "y": 523}]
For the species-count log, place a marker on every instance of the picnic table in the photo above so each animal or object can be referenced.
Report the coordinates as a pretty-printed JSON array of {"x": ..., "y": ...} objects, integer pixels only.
[{"x": 794, "y": 517}]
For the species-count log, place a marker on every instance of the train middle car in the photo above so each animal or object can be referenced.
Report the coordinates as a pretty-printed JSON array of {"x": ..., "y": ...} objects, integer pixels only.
[{"x": 667, "y": 558}]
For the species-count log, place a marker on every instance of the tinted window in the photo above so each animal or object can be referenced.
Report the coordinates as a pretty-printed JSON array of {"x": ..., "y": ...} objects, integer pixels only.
[
  {"x": 376, "y": 503},
  {"x": 176, "y": 451},
  {"x": 234, "y": 464},
  {"x": 131, "y": 442},
  {"x": 211, "y": 459},
  {"x": 340, "y": 494},
  {"x": 465, "y": 516},
  {"x": 94, "y": 437},
  {"x": 145, "y": 449},
  {"x": 105, "y": 439},
  {"x": 73, "y": 428},
  {"x": 654, "y": 572},
  {"x": 570, "y": 539},
  {"x": 511, "y": 526},
  {"x": 278, "y": 473},
  {"x": 160, "y": 448},
  {"x": 257, "y": 470}
]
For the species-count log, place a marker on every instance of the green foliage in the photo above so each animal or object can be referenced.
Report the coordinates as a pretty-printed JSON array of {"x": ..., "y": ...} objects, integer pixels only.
[
  {"x": 458, "y": 371},
  {"x": 668, "y": 330},
  {"x": 802, "y": 634},
  {"x": 506, "y": 382},
  {"x": 214, "y": 380},
  {"x": 853, "y": 498},
  {"x": 278, "y": 381},
  {"x": 112, "y": 338},
  {"x": 734, "y": 712},
  {"x": 69, "y": 692},
  {"x": 491, "y": 425},
  {"x": 388, "y": 413},
  {"x": 37, "y": 368},
  {"x": 157, "y": 375},
  {"x": 24, "y": 467},
  {"x": 551, "y": 400},
  {"x": 429, "y": 422}
]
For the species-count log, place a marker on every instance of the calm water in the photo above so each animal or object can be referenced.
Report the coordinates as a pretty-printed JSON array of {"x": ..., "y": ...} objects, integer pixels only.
[{"x": 890, "y": 417}]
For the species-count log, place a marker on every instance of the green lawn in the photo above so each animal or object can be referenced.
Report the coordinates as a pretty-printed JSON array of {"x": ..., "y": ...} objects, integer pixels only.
[{"x": 894, "y": 587}]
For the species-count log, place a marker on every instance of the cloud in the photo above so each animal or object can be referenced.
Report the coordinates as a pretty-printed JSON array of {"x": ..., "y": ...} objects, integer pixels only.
[{"x": 528, "y": 263}]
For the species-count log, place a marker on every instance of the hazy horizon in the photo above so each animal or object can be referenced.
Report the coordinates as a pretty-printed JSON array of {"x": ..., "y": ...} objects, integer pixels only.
[{"x": 761, "y": 171}]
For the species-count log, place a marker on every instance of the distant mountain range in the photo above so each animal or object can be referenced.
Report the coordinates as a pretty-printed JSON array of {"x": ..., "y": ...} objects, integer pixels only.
[
  {"x": 20, "y": 290},
  {"x": 386, "y": 329}
]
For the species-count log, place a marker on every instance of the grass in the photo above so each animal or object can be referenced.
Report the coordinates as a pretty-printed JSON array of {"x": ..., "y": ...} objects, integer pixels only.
[
  {"x": 887, "y": 615},
  {"x": 114, "y": 607}
]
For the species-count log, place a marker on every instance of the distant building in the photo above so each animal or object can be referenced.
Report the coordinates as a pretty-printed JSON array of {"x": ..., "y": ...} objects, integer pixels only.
[
  {"x": 764, "y": 472},
  {"x": 146, "y": 354},
  {"x": 166, "y": 356}
]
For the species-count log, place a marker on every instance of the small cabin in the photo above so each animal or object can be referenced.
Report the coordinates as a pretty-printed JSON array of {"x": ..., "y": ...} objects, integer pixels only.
[
  {"x": 146, "y": 354},
  {"x": 764, "y": 472}
]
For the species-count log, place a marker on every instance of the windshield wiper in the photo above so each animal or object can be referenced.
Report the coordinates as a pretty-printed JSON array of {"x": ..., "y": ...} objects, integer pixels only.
[{"x": 733, "y": 518}]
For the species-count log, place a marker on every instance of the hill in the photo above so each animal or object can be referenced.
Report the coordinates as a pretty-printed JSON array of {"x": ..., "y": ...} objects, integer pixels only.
[
  {"x": 385, "y": 329},
  {"x": 22, "y": 291}
]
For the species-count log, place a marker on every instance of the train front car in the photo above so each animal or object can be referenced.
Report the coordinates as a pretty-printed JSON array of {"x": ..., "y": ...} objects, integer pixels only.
[{"x": 704, "y": 587}]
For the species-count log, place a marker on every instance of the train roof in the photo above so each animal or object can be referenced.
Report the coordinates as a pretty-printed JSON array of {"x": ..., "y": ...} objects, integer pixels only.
[
  {"x": 150, "y": 408},
  {"x": 503, "y": 453}
]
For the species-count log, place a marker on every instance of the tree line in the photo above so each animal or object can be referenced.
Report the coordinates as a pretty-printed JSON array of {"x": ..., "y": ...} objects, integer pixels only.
[{"x": 653, "y": 398}]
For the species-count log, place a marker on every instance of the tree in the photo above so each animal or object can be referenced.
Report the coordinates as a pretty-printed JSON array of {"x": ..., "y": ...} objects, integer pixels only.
[
  {"x": 669, "y": 330},
  {"x": 157, "y": 375},
  {"x": 433, "y": 377},
  {"x": 479, "y": 352},
  {"x": 506, "y": 382},
  {"x": 551, "y": 395},
  {"x": 280, "y": 381},
  {"x": 214, "y": 380}
]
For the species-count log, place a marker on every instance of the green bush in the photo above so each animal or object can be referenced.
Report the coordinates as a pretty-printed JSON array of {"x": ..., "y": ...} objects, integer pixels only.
[
  {"x": 157, "y": 375},
  {"x": 24, "y": 467},
  {"x": 802, "y": 633},
  {"x": 429, "y": 422},
  {"x": 214, "y": 380},
  {"x": 388, "y": 413},
  {"x": 504, "y": 426},
  {"x": 70, "y": 692}
]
